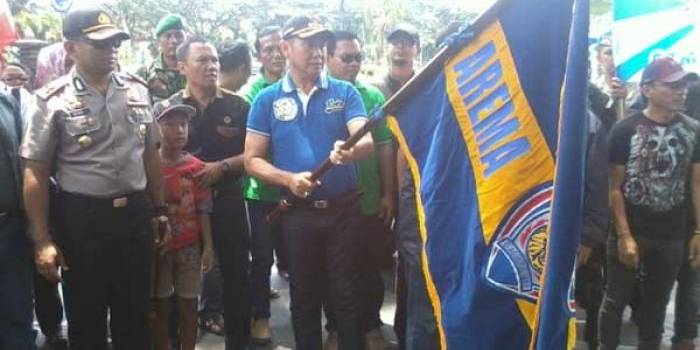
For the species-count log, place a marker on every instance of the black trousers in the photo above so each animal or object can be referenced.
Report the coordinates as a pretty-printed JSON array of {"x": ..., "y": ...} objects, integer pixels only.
[
  {"x": 414, "y": 321},
  {"x": 47, "y": 305},
  {"x": 590, "y": 283},
  {"x": 264, "y": 236},
  {"x": 108, "y": 252},
  {"x": 660, "y": 261},
  {"x": 372, "y": 250},
  {"x": 232, "y": 247},
  {"x": 323, "y": 246}
]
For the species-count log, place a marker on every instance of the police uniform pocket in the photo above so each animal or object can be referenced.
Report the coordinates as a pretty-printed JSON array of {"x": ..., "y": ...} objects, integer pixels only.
[
  {"x": 141, "y": 117},
  {"x": 77, "y": 124},
  {"x": 228, "y": 132},
  {"x": 140, "y": 114}
]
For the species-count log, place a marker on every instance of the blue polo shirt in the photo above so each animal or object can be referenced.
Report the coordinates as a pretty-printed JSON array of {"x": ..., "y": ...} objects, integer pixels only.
[{"x": 302, "y": 134}]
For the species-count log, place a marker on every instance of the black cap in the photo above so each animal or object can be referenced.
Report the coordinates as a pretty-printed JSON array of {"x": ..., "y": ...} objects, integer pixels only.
[
  {"x": 303, "y": 27},
  {"x": 405, "y": 30},
  {"x": 93, "y": 24},
  {"x": 163, "y": 108}
]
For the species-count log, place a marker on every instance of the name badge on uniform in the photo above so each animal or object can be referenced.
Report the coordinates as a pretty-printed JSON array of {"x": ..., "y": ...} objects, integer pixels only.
[
  {"x": 77, "y": 103},
  {"x": 228, "y": 132},
  {"x": 79, "y": 112},
  {"x": 285, "y": 109},
  {"x": 334, "y": 105}
]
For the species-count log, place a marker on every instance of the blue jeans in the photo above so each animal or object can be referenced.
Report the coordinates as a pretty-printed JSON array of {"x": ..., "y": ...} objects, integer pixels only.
[
  {"x": 263, "y": 237},
  {"x": 16, "y": 303},
  {"x": 687, "y": 303}
]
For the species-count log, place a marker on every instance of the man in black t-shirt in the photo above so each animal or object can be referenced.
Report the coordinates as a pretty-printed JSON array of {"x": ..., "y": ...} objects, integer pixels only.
[{"x": 652, "y": 155}]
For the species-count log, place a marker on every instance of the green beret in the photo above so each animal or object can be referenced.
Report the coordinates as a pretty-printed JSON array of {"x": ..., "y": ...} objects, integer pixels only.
[{"x": 170, "y": 22}]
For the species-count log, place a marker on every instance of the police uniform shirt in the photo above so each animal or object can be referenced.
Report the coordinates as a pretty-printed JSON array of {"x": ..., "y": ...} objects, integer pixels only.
[
  {"x": 218, "y": 131},
  {"x": 303, "y": 128},
  {"x": 96, "y": 142}
]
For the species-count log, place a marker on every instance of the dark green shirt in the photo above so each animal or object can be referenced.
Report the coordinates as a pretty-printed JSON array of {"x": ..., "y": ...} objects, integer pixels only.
[{"x": 252, "y": 187}]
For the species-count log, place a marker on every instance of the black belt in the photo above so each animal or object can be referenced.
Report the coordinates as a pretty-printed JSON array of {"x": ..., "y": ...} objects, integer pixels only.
[
  {"x": 121, "y": 201},
  {"x": 342, "y": 201}
]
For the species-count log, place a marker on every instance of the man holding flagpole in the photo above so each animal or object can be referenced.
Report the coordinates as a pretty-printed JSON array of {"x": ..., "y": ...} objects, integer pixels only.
[{"x": 302, "y": 120}]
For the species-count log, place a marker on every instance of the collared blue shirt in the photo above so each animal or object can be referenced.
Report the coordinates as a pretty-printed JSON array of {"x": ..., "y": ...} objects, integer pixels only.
[{"x": 301, "y": 137}]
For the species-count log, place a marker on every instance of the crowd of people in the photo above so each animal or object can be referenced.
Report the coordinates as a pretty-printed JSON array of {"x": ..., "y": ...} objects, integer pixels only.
[{"x": 148, "y": 196}]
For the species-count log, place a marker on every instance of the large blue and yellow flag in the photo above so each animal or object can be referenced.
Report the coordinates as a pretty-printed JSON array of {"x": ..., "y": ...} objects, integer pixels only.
[{"x": 496, "y": 144}]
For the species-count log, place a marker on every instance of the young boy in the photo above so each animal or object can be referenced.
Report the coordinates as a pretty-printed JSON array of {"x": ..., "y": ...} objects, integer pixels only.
[{"x": 189, "y": 252}]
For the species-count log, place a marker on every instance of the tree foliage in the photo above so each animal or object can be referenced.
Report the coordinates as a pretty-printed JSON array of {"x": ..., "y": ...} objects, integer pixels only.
[{"x": 220, "y": 20}]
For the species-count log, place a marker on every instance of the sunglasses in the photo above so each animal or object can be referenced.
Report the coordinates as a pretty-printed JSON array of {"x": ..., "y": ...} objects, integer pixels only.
[
  {"x": 349, "y": 58},
  {"x": 103, "y": 44}
]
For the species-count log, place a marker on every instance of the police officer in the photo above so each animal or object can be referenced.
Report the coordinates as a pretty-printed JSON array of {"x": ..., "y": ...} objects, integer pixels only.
[
  {"x": 216, "y": 136},
  {"x": 94, "y": 127},
  {"x": 162, "y": 75},
  {"x": 303, "y": 119}
]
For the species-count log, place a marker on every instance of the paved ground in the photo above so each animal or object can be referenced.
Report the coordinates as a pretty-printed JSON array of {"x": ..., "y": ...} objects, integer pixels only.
[{"x": 283, "y": 339}]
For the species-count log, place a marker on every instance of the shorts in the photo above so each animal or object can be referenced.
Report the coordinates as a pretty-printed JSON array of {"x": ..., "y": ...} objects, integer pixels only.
[{"x": 179, "y": 272}]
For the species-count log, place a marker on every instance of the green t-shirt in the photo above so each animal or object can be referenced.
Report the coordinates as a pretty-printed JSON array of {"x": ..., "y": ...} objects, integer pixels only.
[
  {"x": 252, "y": 187},
  {"x": 368, "y": 169}
]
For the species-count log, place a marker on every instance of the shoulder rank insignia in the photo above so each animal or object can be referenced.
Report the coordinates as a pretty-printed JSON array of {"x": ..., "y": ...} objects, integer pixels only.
[
  {"x": 53, "y": 88},
  {"x": 135, "y": 78}
]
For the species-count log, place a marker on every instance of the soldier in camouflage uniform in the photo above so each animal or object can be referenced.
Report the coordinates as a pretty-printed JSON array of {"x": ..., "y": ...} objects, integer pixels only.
[{"x": 162, "y": 76}]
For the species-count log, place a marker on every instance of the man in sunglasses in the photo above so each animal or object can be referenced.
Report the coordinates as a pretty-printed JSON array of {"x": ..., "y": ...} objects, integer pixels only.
[
  {"x": 376, "y": 181},
  {"x": 162, "y": 75},
  {"x": 303, "y": 119},
  {"x": 654, "y": 155},
  {"x": 94, "y": 128}
]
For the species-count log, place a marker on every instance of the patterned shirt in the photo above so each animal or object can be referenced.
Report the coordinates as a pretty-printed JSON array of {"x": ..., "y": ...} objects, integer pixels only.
[
  {"x": 186, "y": 200},
  {"x": 657, "y": 159},
  {"x": 162, "y": 81}
]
